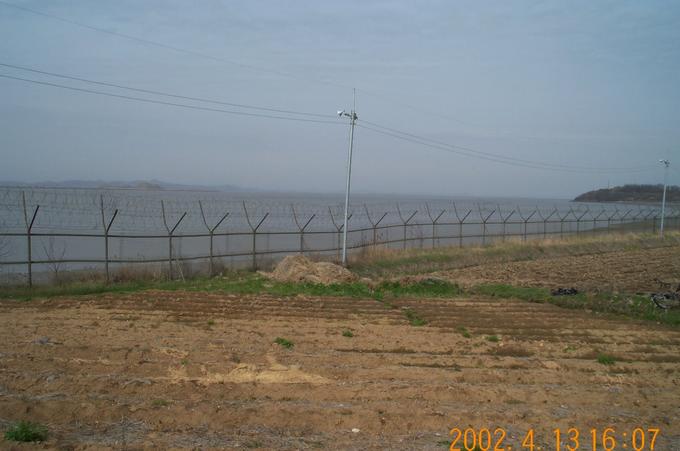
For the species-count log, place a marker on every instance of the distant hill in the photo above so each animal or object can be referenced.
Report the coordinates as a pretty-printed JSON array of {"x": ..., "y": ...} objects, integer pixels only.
[
  {"x": 631, "y": 193},
  {"x": 151, "y": 185}
]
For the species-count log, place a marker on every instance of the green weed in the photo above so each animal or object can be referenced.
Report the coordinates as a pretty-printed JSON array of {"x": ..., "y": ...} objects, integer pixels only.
[
  {"x": 605, "y": 359},
  {"x": 463, "y": 331},
  {"x": 283, "y": 342},
  {"x": 413, "y": 318},
  {"x": 26, "y": 431}
]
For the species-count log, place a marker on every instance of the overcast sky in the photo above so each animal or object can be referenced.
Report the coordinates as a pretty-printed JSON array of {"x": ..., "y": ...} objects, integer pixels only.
[{"x": 580, "y": 83}]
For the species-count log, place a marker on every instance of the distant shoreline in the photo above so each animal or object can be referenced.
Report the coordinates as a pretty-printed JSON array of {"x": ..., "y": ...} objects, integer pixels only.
[{"x": 645, "y": 194}]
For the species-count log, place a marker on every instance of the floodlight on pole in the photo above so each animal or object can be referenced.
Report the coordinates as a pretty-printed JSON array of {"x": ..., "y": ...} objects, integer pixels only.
[
  {"x": 666, "y": 164},
  {"x": 353, "y": 118}
]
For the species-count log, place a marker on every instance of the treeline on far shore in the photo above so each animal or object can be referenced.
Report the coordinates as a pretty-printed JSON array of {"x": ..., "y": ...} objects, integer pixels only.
[{"x": 631, "y": 193}]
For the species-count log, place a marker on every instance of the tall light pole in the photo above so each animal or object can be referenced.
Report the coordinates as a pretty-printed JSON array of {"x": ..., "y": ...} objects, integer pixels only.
[
  {"x": 666, "y": 163},
  {"x": 353, "y": 118}
]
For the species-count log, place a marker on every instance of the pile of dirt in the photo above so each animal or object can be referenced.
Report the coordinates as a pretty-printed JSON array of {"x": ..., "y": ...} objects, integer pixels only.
[{"x": 296, "y": 268}]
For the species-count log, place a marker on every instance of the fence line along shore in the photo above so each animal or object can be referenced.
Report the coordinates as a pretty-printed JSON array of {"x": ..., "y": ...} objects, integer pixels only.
[{"x": 220, "y": 243}]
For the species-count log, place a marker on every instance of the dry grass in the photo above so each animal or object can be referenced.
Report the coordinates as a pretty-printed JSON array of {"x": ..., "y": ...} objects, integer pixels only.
[
  {"x": 381, "y": 261},
  {"x": 511, "y": 351}
]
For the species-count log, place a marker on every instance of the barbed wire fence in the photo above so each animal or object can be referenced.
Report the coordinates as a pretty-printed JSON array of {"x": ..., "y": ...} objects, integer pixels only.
[{"x": 77, "y": 229}]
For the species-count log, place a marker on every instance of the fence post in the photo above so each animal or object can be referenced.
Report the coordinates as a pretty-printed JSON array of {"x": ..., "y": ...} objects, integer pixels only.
[
  {"x": 211, "y": 234},
  {"x": 646, "y": 217},
  {"x": 106, "y": 228},
  {"x": 622, "y": 218},
  {"x": 562, "y": 218},
  {"x": 374, "y": 225},
  {"x": 405, "y": 223},
  {"x": 546, "y": 220},
  {"x": 29, "y": 229},
  {"x": 338, "y": 228},
  {"x": 609, "y": 218},
  {"x": 484, "y": 220},
  {"x": 434, "y": 222},
  {"x": 170, "y": 234},
  {"x": 525, "y": 220},
  {"x": 595, "y": 220},
  {"x": 301, "y": 228},
  {"x": 254, "y": 230},
  {"x": 504, "y": 220},
  {"x": 460, "y": 223},
  {"x": 578, "y": 221}
]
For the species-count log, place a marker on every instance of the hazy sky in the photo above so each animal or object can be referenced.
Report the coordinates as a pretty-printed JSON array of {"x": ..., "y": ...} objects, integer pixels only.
[{"x": 579, "y": 83}]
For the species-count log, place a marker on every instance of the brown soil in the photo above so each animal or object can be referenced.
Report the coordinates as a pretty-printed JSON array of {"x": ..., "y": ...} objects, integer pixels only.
[
  {"x": 627, "y": 271},
  {"x": 197, "y": 370},
  {"x": 296, "y": 268}
]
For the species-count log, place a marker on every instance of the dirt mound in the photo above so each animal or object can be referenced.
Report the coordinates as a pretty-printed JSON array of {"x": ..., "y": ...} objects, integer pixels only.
[{"x": 296, "y": 268}]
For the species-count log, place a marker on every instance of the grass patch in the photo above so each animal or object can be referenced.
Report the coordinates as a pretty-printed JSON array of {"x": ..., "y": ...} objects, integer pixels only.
[
  {"x": 605, "y": 359},
  {"x": 160, "y": 403},
  {"x": 426, "y": 287},
  {"x": 493, "y": 338},
  {"x": 347, "y": 333},
  {"x": 26, "y": 431},
  {"x": 509, "y": 291},
  {"x": 464, "y": 332},
  {"x": 242, "y": 283},
  {"x": 283, "y": 342},
  {"x": 413, "y": 318}
]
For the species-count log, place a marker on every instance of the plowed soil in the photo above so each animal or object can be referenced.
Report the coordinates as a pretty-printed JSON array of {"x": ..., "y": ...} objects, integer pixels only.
[
  {"x": 627, "y": 271},
  {"x": 197, "y": 370}
]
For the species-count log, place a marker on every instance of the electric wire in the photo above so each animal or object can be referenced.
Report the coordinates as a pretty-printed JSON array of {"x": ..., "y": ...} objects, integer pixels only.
[
  {"x": 504, "y": 157},
  {"x": 152, "y": 43},
  {"x": 448, "y": 148},
  {"x": 162, "y": 102},
  {"x": 372, "y": 127},
  {"x": 161, "y": 93},
  {"x": 255, "y": 68},
  {"x": 378, "y": 128}
]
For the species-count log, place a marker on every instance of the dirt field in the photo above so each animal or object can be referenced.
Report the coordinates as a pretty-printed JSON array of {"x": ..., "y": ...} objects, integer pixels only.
[
  {"x": 628, "y": 271},
  {"x": 198, "y": 370}
]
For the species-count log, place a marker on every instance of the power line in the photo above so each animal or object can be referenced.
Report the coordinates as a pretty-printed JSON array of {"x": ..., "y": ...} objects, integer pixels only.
[
  {"x": 169, "y": 47},
  {"x": 504, "y": 157},
  {"x": 375, "y": 128},
  {"x": 228, "y": 61},
  {"x": 161, "y": 93},
  {"x": 385, "y": 130},
  {"x": 496, "y": 159},
  {"x": 162, "y": 102}
]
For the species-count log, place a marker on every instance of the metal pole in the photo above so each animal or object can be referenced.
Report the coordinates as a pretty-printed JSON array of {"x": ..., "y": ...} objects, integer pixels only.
[
  {"x": 353, "y": 119},
  {"x": 29, "y": 229},
  {"x": 666, "y": 163}
]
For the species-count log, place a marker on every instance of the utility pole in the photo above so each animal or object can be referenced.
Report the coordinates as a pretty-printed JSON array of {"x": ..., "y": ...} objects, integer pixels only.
[
  {"x": 666, "y": 163},
  {"x": 353, "y": 118}
]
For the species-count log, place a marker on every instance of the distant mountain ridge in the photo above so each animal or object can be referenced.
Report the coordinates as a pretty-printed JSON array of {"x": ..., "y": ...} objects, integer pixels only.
[
  {"x": 150, "y": 185},
  {"x": 631, "y": 193}
]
